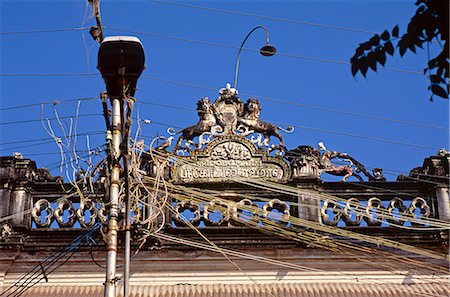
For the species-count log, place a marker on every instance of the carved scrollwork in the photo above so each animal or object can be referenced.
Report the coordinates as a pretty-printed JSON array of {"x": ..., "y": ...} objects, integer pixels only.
[
  {"x": 336, "y": 212},
  {"x": 251, "y": 217},
  {"x": 204, "y": 139},
  {"x": 213, "y": 206},
  {"x": 101, "y": 213},
  {"x": 243, "y": 130},
  {"x": 84, "y": 206},
  {"x": 5, "y": 231},
  {"x": 40, "y": 206},
  {"x": 64, "y": 205},
  {"x": 280, "y": 206},
  {"x": 179, "y": 208},
  {"x": 351, "y": 214},
  {"x": 259, "y": 141},
  {"x": 397, "y": 204},
  {"x": 420, "y": 203},
  {"x": 373, "y": 211}
]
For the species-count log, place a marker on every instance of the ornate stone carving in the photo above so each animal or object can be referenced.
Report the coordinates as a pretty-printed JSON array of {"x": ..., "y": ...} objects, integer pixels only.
[
  {"x": 228, "y": 115},
  {"x": 226, "y": 158},
  {"x": 179, "y": 208},
  {"x": 40, "y": 206},
  {"x": 207, "y": 120},
  {"x": 336, "y": 213},
  {"x": 250, "y": 119},
  {"x": 62, "y": 219},
  {"x": 84, "y": 206},
  {"x": 374, "y": 213},
  {"x": 421, "y": 204},
  {"x": 221, "y": 207},
  {"x": 352, "y": 214},
  {"x": 5, "y": 231},
  {"x": 72, "y": 215},
  {"x": 308, "y": 162},
  {"x": 281, "y": 207},
  {"x": 241, "y": 218},
  {"x": 396, "y": 208}
]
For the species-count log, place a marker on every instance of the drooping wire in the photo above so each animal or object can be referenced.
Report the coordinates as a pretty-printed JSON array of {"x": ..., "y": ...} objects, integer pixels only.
[{"x": 50, "y": 264}]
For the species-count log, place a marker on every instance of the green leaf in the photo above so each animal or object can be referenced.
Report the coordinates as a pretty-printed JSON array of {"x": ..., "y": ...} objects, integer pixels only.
[
  {"x": 372, "y": 61},
  {"x": 364, "y": 67},
  {"x": 436, "y": 79},
  {"x": 395, "y": 31},
  {"x": 355, "y": 69},
  {"x": 365, "y": 46},
  {"x": 381, "y": 56},
  {"x": 385, "y": 35},
  {"x": 402, "y": 46},
  {"x": 439, "y": 91},
  {"x": 389, "y": 48},
  {"x": 375, "y": 40}
]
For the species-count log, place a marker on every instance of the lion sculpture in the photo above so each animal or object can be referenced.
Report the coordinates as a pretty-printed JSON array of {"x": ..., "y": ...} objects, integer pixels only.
[
  {"x": 206, "y": 121},
  {"x": 250, "y": 118}
]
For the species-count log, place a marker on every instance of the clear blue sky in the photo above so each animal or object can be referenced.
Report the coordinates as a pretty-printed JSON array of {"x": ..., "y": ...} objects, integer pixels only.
[{"x": 310, "y": 69}]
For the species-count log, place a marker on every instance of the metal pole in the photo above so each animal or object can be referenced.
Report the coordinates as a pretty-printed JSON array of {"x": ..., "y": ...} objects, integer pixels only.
[
  {"x": 126, "y": 267},
  {"x": 110, "y": 283},
  {"x": 236, "y": 67}
]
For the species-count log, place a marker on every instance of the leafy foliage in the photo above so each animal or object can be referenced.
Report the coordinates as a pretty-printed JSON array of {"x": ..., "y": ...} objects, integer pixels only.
[{"x": 429, "y": 24}]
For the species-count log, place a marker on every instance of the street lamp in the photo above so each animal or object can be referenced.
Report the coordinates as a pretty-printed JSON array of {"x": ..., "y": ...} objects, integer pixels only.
[
  {"x": 121, "y": 60},
  {"x": 267, "y": 50}
]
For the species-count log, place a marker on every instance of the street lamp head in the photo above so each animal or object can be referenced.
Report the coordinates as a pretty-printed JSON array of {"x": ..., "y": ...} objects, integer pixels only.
[
  {"x": 268, "y": 50},
  {"x": 121, "y": 60}
]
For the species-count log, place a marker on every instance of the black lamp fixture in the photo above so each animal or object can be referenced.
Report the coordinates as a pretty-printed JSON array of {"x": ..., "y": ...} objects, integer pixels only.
[
  {"x": 121, "y": 60},
  {"x": 267, "y": 50}
]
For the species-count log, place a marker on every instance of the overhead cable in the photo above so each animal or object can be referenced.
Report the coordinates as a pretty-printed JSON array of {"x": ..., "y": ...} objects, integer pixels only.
[
  {"x": 38, "y": 120},
  {"x": 53, "y": 102},
  {"x": 208, "y": 43},
  {"x": 285, "y": 20},
  {"x": 288, "y": 102},
  {"x": 43, "y": 31}
]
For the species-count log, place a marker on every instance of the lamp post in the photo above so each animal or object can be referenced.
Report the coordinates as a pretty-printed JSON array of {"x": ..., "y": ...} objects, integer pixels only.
[
  {"x": 267, "y": 50},
  {"x": 121, "y": 61}
]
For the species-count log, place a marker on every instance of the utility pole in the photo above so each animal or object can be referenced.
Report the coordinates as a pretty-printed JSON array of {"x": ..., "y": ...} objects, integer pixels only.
[
  {"x": 114, "y": 187},
  {"x": 121, "y": 61}
]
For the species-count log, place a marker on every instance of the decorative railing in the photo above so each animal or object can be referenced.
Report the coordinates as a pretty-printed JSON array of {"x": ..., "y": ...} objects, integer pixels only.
[
  {"x": 227, "y": 213},
  {"x": 64, "y": 213},
  {"x": 375, "y": 212},
  {"x": 360, "y": 212}
]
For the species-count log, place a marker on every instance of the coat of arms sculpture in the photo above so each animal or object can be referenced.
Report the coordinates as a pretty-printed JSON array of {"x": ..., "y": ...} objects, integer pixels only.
[{"x": 231, "y": 141}]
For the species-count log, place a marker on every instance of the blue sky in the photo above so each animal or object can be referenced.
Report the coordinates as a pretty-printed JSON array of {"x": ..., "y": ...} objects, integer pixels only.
[{"x": 191, "y": 52}]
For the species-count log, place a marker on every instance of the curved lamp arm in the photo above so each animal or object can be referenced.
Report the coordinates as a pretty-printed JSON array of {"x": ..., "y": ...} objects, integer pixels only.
[{"x": 266, "y": 50}]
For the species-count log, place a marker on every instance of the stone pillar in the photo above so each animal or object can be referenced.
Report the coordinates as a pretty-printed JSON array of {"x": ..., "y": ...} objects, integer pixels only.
[
  {"x": 443, "y": 202},
  {"x": 16, "y": 176},
  {"x": 309, "y": 207}
]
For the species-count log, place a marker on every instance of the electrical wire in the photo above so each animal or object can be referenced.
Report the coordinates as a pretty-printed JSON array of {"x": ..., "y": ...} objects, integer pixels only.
[
  {"x": 265, "y": 17},
  {"x": 334, "y": 132},
  {"x": 50, "y": 264},
  {"x": 199, "y": 194},
  {"x": 46, "y": 74},
  {"x": 53, "y": 102},
  {"x": 55, "y": 118},
  {"x": 43, "y": 31},
  {"x": 49, "y": 140},
  {"x": 294, "y": 103},
  {"x": 214, "y": 44}
]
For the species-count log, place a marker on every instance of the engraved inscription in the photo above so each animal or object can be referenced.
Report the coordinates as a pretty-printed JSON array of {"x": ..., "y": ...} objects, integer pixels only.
[{"x": 227, "y": 160}]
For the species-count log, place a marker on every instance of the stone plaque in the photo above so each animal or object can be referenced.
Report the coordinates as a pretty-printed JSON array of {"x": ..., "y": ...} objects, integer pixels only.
[{"x": 226, "y": 158}]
